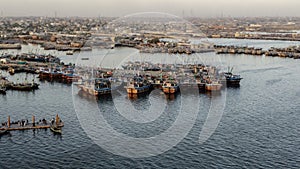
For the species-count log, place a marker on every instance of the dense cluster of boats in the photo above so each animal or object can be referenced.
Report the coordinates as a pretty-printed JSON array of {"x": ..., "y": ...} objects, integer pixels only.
[
  {"x": 142, "y": 77},
  {"x": 134, "y": 78},
  {"x": 289, "y": 52},
  {"x": 65, "y": 74}
]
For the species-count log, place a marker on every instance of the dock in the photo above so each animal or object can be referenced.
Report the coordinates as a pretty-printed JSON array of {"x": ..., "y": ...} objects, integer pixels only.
[{"x": 25, "y": 125}]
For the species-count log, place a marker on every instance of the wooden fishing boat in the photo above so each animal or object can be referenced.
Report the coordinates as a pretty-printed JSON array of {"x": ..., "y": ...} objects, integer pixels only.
[
  {"x": 69, "y": 52},
  {"x": 102, "y": 86},
  {"x": 69, "y": 75},
  {"x": 137, "y": 85},
  {"x": 44, "y": 73},
  {"x": 214, "y": 86},
  {"x": 170, "y": 87},
  {"x": 96, "y": 87},
  {"x": 25, "y": 86}
]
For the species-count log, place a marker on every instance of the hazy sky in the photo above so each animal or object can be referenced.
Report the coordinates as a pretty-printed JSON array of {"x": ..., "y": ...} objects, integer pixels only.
[{"x": 203, "y": 8}]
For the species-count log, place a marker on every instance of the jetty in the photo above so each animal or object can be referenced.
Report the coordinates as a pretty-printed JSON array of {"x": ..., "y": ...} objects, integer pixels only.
[{"x": 26, "y": 125}]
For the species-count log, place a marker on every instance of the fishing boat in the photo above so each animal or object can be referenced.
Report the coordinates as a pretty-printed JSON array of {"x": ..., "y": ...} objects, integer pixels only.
[
  {"x": 25, "y": 86},
  {"x": 170, "y": 87},
  {"x": 158, "y": 82},
  {"x": 56, "y": 74},
  {"x": 232, "y": 79},
  {"x": 213, "y": 86},
  {"x": 44, "y": 73},
  {"x": 96, "y": 87},
  {"x": 70, "y": 76},
  {"x": 69, "y": 52},
  {"x": 102, "y": 86},
  {"x": 88, "y": 86},
  {"x": 10, "y": 46},
  {"x": 137, "y": 85}
]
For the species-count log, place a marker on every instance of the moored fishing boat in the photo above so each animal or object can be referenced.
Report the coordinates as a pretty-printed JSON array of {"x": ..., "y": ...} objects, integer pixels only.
[
  {"x": 96, "y": 87},
  {"x": 137, "y": 85},
  {"x": 102, "y": 86},
  {"x": 170, "y": 87},
  {"x": 56, "y": 74},
  {"x": 70, "y": 76},
  {"x": 69, "y": 52},
  {"x": 213, "y": 86},
  {"x": 88, "y": 86},
  {"x": 158, "y": 82},
  {"x": 24, "y": 86},
  {"x": 44, "y": 73}
]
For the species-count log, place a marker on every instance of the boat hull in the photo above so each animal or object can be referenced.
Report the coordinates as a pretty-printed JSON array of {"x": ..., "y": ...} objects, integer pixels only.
[
  {"x": 56, "y": 130},
  {"x": 137, "y": 90},
  {"x": 233, "y": 82},
  {"x": 170, "y": 90},
  {"x": 25, "y": 87},
  {"x": 213, "y": 87}
]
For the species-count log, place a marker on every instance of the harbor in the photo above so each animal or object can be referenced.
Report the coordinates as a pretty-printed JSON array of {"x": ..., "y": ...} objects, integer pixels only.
[
  {"x": 264, "y": 94},
  {"x": 50, "y": 68},
  {"x": 142, "y": 77},
  {"x": 113, "y": 94}
]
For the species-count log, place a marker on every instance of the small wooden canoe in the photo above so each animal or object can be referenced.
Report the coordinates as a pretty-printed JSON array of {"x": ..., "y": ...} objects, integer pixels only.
[
  {"x": 4, "y": 132},
  {"x": 55, "y": 129}
]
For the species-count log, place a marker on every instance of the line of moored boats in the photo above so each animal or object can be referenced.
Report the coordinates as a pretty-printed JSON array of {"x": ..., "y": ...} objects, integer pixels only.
[
  {"x": 290, "y": 52},
  {"x": 170, "y": 78},
  {"x": 134, "y": 77}
]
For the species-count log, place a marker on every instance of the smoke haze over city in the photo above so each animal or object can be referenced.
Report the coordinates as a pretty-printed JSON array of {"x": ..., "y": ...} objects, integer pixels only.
[{"x": 183, "y": 8}]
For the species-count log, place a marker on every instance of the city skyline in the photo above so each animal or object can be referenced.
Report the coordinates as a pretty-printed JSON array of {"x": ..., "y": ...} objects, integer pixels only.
[{"x": 116, "y": 8}]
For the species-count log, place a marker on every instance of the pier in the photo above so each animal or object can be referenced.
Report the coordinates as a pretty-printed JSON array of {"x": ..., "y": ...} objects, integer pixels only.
[{"x": 25, "y": 125}]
